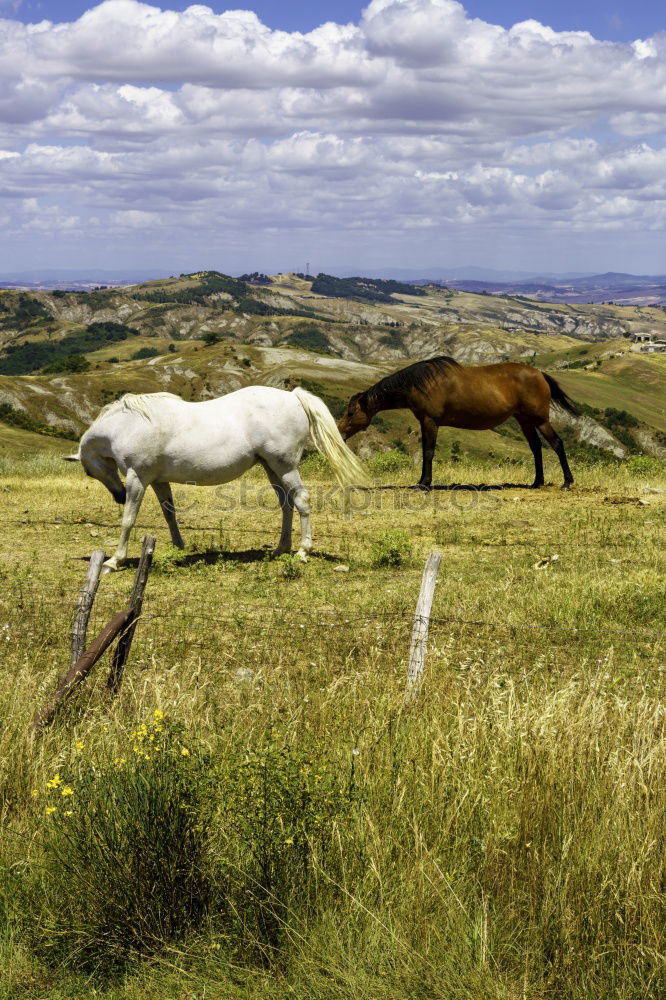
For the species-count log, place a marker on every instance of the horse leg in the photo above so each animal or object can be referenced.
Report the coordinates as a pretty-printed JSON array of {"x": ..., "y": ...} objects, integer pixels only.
[
  {"x": 135, "y": 490},
  {"x": 297, "y": 493},
  {"x": 534, "y": 441},
  {"x": 284, "y": 545},
  {"x": 292, "y": 494},
  {"x": 555, "y": 442},
  {"x": 429, "y": 431},
  {"x": 165, "y": 497}
]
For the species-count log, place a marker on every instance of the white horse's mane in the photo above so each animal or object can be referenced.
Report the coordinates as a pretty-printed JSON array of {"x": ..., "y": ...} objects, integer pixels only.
[{"x": 136, "y": 402}]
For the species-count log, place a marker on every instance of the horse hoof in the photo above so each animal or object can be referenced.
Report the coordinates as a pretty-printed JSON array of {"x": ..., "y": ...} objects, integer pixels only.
[
  {"x": 302, "y": 556},
  {"x": 422, "y": 487},
  {"x": 566, "y": 486},
  {"x": 536, "y": 486}
]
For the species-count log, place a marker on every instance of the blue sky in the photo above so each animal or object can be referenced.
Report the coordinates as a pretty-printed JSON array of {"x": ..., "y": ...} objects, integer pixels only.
[
  {"x": 400, "y": 134},
  {"x": 617, "y": 20}
]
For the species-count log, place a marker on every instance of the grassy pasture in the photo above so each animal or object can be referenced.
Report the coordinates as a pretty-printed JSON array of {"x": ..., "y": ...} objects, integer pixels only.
[{"x": 503, "y": 838}]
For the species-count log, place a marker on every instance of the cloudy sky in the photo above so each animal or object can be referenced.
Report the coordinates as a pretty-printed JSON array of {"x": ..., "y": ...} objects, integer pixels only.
[{"x": 403, "y": 134}]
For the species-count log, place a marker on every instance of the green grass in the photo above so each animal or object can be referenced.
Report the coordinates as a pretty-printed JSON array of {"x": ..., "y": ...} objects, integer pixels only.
[{"x": 500, "y": 838}]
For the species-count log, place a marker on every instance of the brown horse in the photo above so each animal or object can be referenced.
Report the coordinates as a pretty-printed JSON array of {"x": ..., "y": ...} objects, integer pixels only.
[{"x": 440, "y": 392}]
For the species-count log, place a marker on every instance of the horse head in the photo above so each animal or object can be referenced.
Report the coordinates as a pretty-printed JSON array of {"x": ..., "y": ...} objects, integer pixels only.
[{"x": 356, "y": 417}]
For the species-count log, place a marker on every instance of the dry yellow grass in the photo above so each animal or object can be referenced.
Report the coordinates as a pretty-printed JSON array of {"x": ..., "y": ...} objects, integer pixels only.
[{"x": 506, "y": 833}]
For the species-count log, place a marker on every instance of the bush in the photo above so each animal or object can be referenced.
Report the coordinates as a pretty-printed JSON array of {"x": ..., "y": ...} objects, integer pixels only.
[
  {"x": 389, "y": 461},
  {"x": 314, "y": 466},
  {"x": 124, "y": 864},
  {"x": 292, "y": 567},
  {"x": 645, "y": 465},
  {"x": 392, "y": 549}
]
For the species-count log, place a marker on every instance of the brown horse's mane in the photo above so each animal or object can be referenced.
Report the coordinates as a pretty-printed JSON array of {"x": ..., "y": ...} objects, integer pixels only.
[{"x": 416, "y": 376}]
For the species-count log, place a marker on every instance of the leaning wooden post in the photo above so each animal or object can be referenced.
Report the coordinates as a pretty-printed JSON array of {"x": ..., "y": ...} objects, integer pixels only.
[
  {"x": 80, "y": 670},
  {"x": 417, "y": 650},
  {"x": 84, "y": 608},
  {"x": 136, "y": 602}
]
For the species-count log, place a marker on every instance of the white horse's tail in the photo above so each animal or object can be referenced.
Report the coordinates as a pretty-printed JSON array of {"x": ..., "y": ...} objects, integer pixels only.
[{"x": 327, "y": 439}]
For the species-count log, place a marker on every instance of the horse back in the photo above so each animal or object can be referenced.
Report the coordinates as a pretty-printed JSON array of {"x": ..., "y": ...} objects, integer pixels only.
[{"x": 482, "y": 396}]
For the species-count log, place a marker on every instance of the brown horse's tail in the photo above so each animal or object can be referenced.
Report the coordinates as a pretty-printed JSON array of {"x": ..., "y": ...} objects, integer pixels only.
[{"x": 559, "y": 396}]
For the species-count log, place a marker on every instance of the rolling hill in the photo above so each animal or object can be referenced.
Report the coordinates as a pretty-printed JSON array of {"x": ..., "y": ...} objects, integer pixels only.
[{"x": 65, "y": 354}]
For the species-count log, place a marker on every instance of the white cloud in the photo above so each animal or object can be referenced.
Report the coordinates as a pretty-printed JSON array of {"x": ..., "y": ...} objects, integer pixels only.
[{"x": 419, "y": 119}]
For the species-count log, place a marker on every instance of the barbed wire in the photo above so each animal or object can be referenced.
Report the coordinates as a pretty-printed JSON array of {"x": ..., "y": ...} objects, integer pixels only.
[{"x": 251, "y": 620}]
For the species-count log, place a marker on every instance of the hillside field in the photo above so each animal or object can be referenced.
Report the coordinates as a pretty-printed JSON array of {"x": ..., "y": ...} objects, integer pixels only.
[{"x": 258, "y": 814}]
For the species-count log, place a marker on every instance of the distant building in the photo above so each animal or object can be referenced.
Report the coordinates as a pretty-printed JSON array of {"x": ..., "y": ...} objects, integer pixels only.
[{"x": 649, "y": 342}]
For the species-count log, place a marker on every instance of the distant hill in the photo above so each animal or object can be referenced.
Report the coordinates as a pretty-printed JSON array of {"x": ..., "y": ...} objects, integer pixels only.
[
  {"x": 64, "y": 354},
  {"x": 617, "y": 288}
]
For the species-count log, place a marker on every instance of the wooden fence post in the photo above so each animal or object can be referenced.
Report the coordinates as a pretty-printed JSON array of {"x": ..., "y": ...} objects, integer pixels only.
[
  {"x": 84, "y": 608},
  {"x": 80, "y": 670},
  {"x": 417, "y": 650},
  {"x": 136, "y": 601}
]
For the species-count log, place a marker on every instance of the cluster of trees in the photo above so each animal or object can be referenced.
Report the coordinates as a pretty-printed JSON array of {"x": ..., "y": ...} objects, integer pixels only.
[
  {"x": 209, "y": 282},
  {"x": 26, "y": 312},
  {"x": 311, "y": 338},
  {"x": 18, "y": 418},
  {"x": 66, "y": 355},
  {"x": 255, "y": 278},
  {"x": 212, "y": 282},
  {"x": 370, "y": 289}
]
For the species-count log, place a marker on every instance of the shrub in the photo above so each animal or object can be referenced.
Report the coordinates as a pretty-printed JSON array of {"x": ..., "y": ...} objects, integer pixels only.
[
  {"x": 389, "y": 461},
  {"x": 645, "y": 465},
  {"x": 392, "y": 549},
  {"x": 291, "y": 565},
  {"x": 124, "y": 853},
  {"x": 314, "y": 465}
]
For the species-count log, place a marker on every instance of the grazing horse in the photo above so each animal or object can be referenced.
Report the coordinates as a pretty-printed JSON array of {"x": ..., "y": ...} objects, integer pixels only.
[
  {"x": 440, "y": 392},
  {"x": 158, "y": 438}
]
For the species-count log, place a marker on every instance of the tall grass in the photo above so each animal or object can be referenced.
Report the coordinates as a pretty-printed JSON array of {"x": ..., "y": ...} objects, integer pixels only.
[{"x": 502, "y": 838}]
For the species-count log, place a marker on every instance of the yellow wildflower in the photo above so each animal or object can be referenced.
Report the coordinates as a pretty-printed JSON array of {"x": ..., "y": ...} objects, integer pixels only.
[
  {"x": 184, "y": 752},
  {"x": 54, "y": 781},
  {"x": 79, "y": 745},
  {"x": 67, "y": 790},
  {"x": 69, "y": 813},
  {"x": 49, "y": 810},
  {"x": 35, "y": 793},
  {"x": 158, "y": 714}
]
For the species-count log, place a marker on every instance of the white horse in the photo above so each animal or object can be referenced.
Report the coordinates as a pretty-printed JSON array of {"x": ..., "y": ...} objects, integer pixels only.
[{"x": 157, "y": 439}]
